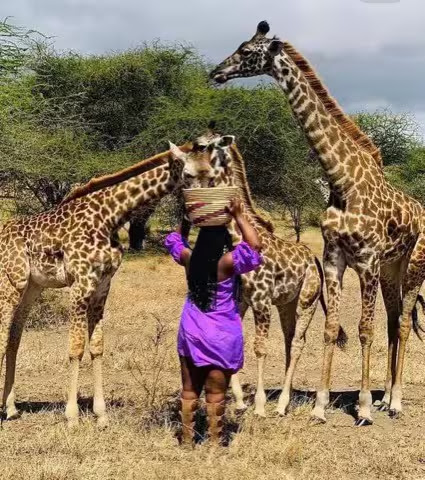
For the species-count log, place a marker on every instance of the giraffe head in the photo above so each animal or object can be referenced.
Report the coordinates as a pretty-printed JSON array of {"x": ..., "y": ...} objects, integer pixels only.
[
  {"x": 253, "y": 57},
  {"x": 205, "y": 165}
]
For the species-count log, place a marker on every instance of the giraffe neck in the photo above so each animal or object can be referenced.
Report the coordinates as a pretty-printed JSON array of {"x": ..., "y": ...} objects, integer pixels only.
[
  {"x": 237, "y": 177},
  {"x": 118, "y": 201},
  {"x": 334, "y": 149}
]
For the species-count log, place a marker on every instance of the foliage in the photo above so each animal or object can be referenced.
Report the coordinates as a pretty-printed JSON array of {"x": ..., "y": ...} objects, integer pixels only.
[
  {"x": 66, "y": 117},
  {"x": 394, "y": 134},
  {"x": 115, "y": 95},
  {"x": 410, "y": 176},
  {"x": 16, "y": 44}
]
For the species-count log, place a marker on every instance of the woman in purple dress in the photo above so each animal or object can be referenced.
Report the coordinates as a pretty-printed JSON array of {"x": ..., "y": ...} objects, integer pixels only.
[{"x": 210, "y": 340}]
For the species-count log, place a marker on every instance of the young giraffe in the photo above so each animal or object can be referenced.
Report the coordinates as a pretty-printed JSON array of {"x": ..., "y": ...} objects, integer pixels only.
[
  {"x": 71, "y": 245},
  {"x": 369, "y": 225},
  {"x": 290, "y": 278}
]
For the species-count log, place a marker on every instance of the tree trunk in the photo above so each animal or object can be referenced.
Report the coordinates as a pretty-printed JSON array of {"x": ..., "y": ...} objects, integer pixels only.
[
  {"x": 137, "y": 231},
  {"x": 296, "y": 221},
  {"x": 137, "y": 234}
]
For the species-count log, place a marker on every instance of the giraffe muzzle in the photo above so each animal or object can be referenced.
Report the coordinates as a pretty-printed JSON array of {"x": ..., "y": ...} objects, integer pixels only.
[
  {"x": 220, "y": 78},
  {"x": 219, "y": 74}
]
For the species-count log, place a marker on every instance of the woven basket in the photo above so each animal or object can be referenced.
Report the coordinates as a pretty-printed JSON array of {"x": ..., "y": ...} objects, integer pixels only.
[{"x": 206, "y": 207}]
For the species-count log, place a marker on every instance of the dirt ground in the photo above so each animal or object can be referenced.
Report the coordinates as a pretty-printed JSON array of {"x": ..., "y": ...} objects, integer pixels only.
[{"x": 142, "y": 382}]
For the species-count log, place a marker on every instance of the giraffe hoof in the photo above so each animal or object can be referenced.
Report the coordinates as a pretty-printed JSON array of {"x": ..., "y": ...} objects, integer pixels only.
[
  {"x": 384, "y": 407},
  {"x": 363, "y": 422},
  {"x": 72, "y": 423},
  {"x": 13, "y": 416},
  {"x": 102, "y": 423},
  {"x": 316, "y": 420},
  {"x": 260, "y": 414},
  {"x": 241, "y": 408},
  {"x": 395, "y": 414}
]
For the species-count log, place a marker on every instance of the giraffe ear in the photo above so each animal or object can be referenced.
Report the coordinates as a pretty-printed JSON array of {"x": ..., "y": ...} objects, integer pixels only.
[
  {"x": 176, "y": 153},
  {"x": 275, "y": 47},
  {"x": 226, "y": 140}
]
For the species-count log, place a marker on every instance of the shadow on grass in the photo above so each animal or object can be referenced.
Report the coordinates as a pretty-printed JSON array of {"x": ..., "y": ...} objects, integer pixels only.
[
  {"x": 85, "y": 405},
  {"x": 341, "y": 400}
]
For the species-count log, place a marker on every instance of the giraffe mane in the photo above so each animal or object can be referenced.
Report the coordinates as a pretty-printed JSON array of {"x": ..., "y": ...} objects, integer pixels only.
[
  {"x": 241, "y": 177},
  {"x": 99, "y": 183},
  {"x": 331, "y": 105}
]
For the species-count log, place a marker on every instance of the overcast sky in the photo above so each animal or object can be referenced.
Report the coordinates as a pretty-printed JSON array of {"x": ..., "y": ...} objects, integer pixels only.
[{"x": 371, "y": 53}]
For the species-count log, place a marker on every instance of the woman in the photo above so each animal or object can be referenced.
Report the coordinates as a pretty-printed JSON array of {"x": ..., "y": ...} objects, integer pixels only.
[{"x": 210, "y": 341}]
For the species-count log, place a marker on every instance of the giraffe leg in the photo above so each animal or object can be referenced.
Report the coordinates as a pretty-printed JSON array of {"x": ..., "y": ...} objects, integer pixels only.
[
  {"x": 298, "y": 319},
  {"x": 287, "y": 315},
  {"x": 10, "y": 299},
  {"x": 334, "y": 266},
  {"x": 412, "y": 282},
  {"x": 18, "y": 322},
  {"x": 262, "y": 316},
  {"x": 81, "y": 293},
  {"x": 235, "y": 380},
  {"x": 409, "y": 302},
  {"x": 390, "y": 285},
  {"x": 369, "y": 281},
  {"x": 95, "y": 320}
]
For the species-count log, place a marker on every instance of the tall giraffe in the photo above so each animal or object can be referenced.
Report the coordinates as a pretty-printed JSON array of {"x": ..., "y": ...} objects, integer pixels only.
[
  {"x": 290, "y": 278},
  {"x": 72, "y": 245},
  {"x": 369, "y": 225}
]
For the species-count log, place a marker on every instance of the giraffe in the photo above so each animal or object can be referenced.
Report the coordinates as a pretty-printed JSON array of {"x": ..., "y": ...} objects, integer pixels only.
[
  {"x": 369, "y": 226},
  {"x": 74, "y": 245},
  {"x": 290, "y": 278}
]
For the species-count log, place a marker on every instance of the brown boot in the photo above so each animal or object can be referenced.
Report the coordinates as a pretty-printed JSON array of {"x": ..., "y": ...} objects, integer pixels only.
[
  {"x": 187, "y": 414},
  {"x": 215, "y": 412}
]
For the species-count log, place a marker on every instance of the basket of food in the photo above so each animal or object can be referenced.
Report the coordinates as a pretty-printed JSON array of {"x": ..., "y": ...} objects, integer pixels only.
[{"x": 207, "y": 207}]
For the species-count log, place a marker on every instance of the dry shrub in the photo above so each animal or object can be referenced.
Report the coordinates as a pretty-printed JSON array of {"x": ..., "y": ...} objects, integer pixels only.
[
  {"x": 148, "y": 367},
  {"x": 50, "y": 310}
]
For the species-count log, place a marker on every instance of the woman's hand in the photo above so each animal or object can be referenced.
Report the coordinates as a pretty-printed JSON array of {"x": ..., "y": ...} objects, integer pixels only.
[
  {"x": 249, "y": 233},
  {"x": 235, "y": 208}
]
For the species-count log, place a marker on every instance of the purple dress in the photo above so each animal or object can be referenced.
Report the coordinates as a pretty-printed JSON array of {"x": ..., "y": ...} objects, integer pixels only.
[{"x": 214, "y": 337}]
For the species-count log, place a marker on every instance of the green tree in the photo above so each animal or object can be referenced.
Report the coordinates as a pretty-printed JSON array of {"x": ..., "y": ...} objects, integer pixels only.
[{"x": 395, "y": 134}]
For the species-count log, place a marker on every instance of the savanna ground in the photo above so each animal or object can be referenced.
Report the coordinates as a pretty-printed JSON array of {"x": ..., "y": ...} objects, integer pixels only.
[{"x": 142, "y": 383}]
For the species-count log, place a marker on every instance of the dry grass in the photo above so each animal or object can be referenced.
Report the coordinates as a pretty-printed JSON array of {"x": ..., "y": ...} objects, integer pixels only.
[{"x": 142, "y": 381}]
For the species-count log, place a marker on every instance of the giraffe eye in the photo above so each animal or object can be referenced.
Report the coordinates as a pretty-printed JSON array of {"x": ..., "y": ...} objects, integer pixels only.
[{"x": 246, "y": 51}]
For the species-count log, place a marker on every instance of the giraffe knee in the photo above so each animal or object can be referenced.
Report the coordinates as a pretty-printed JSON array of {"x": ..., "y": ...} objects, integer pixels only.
[
  {"x": 76, "y": 348},
  {"x": 96, "y": 339},
  {"x": 366, "y": 337},
  {"x": 96, "y": 347},
  {"x": 331, "y": 335}
]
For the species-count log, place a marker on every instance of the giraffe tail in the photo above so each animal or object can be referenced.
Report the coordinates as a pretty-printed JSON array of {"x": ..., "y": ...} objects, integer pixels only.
[
  {"x": 418, "y": 328},
  {"x": 342, "y": 338}
]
